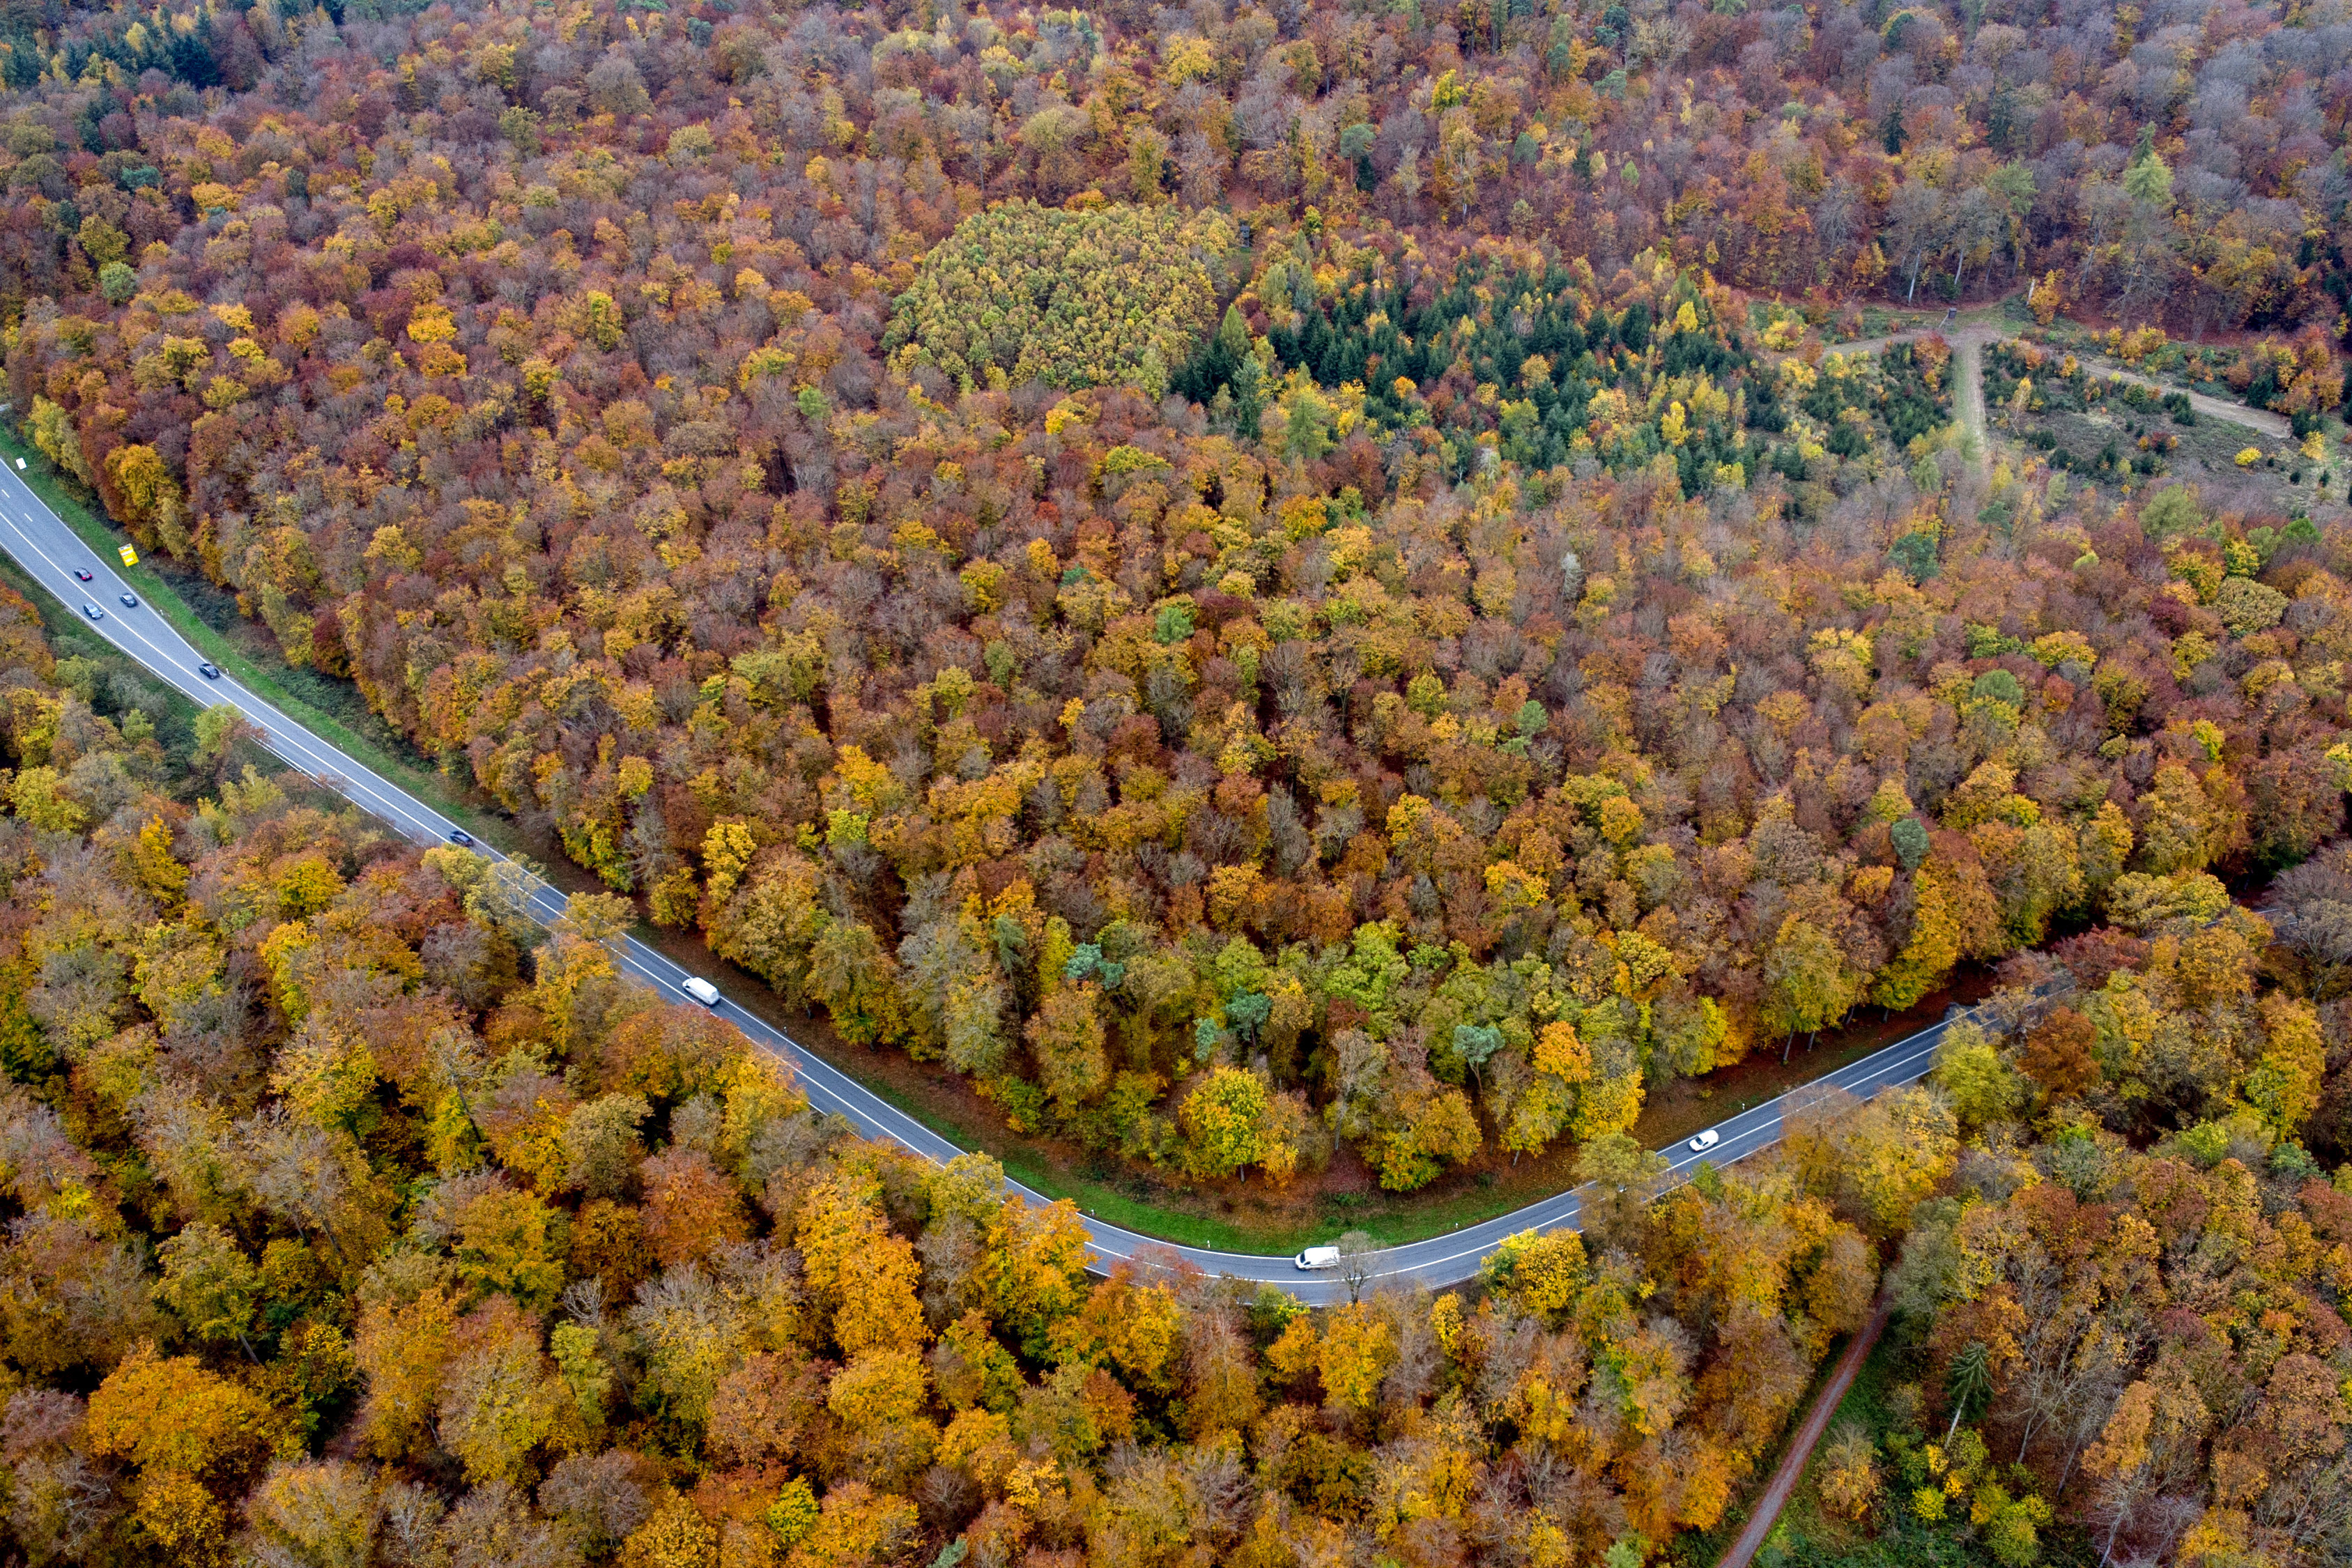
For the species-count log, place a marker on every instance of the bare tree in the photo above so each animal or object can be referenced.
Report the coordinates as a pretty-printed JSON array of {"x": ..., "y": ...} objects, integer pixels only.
[
  {"x": 1916, "y": 226},
  {"x": 1357, "y": 1250}
]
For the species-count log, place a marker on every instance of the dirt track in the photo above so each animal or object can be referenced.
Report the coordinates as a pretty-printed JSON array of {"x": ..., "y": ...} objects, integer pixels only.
[
  {"x": 1809, "y": 1435},
  {"x": 1977, "y": 328},
  {"x": 1967, "y": 337},
  {"x": 2257, "y": 420}
]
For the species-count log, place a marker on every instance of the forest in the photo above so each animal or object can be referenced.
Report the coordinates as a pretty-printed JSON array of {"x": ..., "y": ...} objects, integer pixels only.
[
  {"x": 1337, "y": 666},
  {"x": 1279, "y": 586},
  {"x": 353, "y": 1219}
]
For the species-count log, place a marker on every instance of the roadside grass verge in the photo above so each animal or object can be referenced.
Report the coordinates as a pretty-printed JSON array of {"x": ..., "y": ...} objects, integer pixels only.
[
  {"x": 1152, "y": 1204},
  {"x": 123, "y": 683},
  {"x": 129, "y": 683},
  {"x": 307, "y": 698}
]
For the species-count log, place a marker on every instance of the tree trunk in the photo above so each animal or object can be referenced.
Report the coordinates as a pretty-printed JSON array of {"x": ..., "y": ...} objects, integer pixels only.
[
  {"x": 2114, "y": 1530},
  {"x": 2073, "y": 1452}
]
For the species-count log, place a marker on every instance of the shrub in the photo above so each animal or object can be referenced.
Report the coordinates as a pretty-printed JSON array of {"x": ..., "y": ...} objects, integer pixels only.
[
  {"x": 2247, "y": 606},
  {"x": 1849, "y": 1480}
]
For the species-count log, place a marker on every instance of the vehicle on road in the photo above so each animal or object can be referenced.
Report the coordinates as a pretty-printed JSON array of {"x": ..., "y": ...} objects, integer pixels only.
[
  {"x": 459, "y": 836},
  {"x": 1437, "y": 1260},
  {"x": 130, "y": 600},
  {"x": 80, "y": 575},
  {"x": 1705, "y": 1140}
]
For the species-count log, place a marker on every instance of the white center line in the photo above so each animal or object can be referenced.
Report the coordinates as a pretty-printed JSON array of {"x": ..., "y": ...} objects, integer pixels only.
[{"x": 170, "y": 657}]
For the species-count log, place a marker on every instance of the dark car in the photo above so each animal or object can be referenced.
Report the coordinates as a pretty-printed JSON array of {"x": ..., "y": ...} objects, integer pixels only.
[
  {"x": 209, "y": 671},
  {"x": 130, "y": 600},
  {"x": 80, "y": 575},
  {"x": 93, "y": 612},
  {"x": 459, "y": 836}
]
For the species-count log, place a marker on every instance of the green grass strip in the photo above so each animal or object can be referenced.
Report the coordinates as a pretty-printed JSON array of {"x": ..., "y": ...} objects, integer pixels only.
[
  {"x": 1393, "y": 1219},
  {"x": 69, "y": 636},
  {"x": 60, "y": 494},
  {"x": 1408, "y": 1218}
]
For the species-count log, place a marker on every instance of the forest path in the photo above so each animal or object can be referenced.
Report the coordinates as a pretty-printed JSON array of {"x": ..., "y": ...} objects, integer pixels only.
[
  {"x": 1968, "y": 366},
  {"x": 2259, "y": 420},
  {"x": 1980, "y": 324},
  {"x": 1977, "y": 328},
  {"x": 1809, "y": 1435},
  {"x": 1968, "y": 334}
]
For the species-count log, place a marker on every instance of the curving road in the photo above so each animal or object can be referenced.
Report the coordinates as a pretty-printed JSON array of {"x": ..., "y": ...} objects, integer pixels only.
[{"x": 49, "y": 551}]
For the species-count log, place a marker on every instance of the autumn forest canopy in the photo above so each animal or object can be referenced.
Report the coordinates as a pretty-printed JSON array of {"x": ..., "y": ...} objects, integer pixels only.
[{"x": 1287, "y": 589}]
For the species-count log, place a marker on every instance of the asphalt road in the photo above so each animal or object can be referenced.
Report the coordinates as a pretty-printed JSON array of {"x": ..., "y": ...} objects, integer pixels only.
[{"x": 49, "y": 551}]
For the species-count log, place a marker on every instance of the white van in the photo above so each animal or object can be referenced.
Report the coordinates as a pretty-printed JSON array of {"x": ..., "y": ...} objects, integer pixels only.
[
  {"x": 1318, "y": 1257},
  {"x": 701, "y": 990}
]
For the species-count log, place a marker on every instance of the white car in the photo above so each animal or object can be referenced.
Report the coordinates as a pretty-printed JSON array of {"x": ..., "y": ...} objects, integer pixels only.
[
  {"x": 1705, "y": 1140},
  {"x": 701, "y": 990},
  {"x": 1318, "y": 1257}
]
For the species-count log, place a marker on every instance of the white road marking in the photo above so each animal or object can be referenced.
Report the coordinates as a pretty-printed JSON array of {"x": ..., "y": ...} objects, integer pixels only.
[{"x": 828, "y": 1087}]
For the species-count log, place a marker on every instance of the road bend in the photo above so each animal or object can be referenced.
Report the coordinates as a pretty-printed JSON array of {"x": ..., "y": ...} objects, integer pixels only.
[{"x": 50, "y": 553}]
